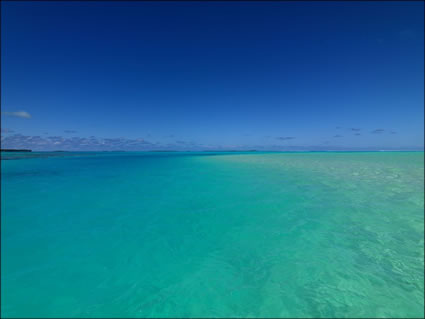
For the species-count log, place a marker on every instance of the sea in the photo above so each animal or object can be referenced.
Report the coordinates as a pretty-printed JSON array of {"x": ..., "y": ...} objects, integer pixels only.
[{"x": 212, "y": 234}]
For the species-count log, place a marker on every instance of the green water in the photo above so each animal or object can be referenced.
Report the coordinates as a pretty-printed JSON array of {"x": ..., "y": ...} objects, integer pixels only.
[{"x": 336, "y": 234}]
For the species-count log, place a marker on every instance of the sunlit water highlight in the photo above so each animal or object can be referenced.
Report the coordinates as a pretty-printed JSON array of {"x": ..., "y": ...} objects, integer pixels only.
[{"x": 338, "y": 234}]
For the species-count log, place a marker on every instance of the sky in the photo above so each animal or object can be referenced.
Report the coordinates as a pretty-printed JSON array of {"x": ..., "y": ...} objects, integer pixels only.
[{"x": 212, "y": 75}]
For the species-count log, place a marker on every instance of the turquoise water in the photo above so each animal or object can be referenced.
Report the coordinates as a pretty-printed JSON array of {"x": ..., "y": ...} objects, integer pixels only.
[{"x": 335, "y": 234}]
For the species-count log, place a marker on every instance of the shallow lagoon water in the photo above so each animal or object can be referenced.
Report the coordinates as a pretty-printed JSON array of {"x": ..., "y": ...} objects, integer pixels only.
[{"x": 332, "y": 234}]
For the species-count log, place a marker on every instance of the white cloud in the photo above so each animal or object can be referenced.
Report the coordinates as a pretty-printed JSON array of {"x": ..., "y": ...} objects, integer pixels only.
[{"x": 22, "y": 114}]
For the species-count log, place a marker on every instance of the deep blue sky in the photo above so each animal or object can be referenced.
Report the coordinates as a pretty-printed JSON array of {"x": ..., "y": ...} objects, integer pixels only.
[{"x": 273, "y": 75}]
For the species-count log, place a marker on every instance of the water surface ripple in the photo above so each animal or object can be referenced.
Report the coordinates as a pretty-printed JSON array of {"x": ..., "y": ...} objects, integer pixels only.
[{"x": 333, "y": 234}]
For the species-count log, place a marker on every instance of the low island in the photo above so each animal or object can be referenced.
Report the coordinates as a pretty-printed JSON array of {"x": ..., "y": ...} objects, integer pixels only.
[{"x": 14, "y": 150}]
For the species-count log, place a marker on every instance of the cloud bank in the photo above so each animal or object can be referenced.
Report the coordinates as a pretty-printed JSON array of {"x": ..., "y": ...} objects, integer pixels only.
[{"x": 92, "y": 143}]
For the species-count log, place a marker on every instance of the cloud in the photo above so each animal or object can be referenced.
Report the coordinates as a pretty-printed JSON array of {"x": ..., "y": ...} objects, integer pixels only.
[
  {"x": 355, "y": 129},
  {"x": 285, "y": 138},
  {"x": 74, "y": 143},
  {"x": 393, "y": 132},
  {"x": 93, "y": 143},
  {"x": 338, "y": 136},
  {"x": 22, "y": 114},
  {"x": 377, "y": 131},
  {"x": 70, "y": 131},
  {"x": 357, "y": 134}
]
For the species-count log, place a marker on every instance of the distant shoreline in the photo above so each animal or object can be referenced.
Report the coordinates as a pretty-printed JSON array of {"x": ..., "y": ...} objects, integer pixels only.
[
  {"x": 14, "y": 150},
  {"x": 210, "y": 151}
]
